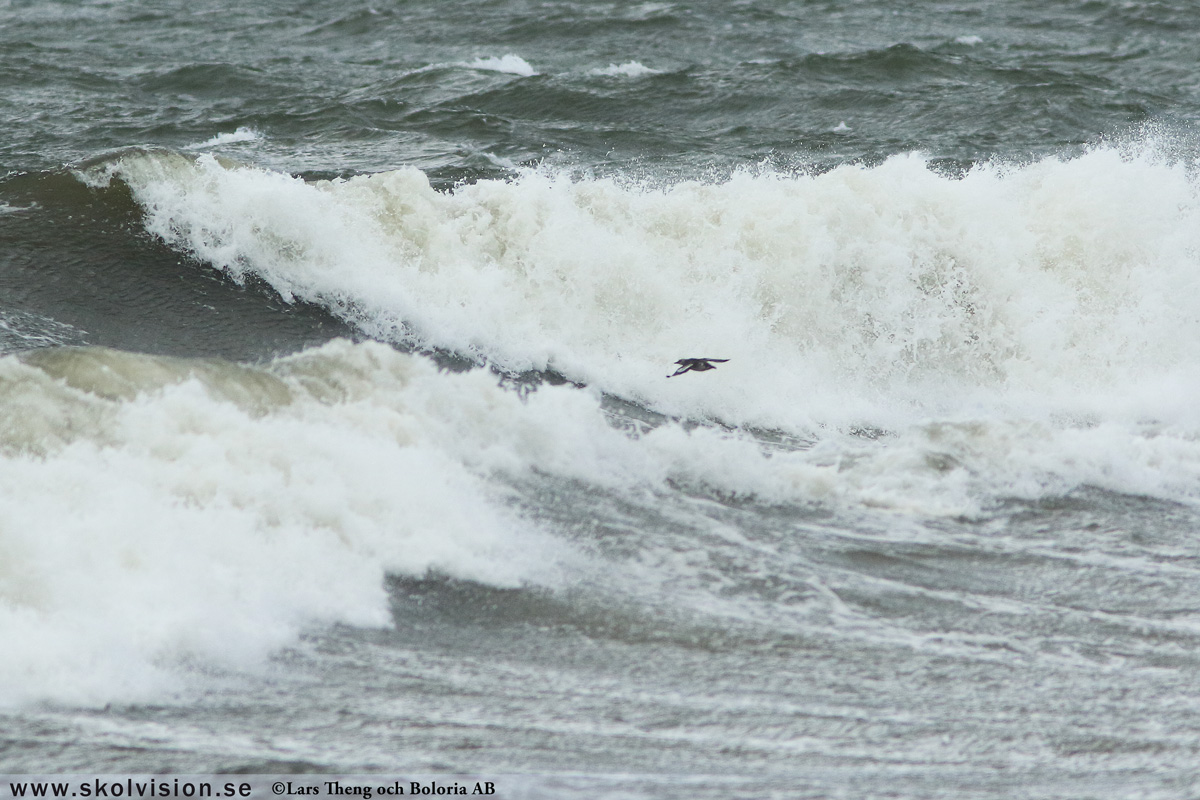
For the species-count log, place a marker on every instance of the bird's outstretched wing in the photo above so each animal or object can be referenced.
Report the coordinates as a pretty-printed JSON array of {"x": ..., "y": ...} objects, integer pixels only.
[{"x": 697, "y": 364}]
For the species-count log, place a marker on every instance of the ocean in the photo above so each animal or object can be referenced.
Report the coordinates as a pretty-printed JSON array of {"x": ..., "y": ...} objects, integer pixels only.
[{"x": 336, "y": 435}]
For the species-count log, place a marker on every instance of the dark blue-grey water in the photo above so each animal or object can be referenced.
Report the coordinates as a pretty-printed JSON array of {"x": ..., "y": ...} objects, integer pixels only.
[{"x": 335, "y": 431}]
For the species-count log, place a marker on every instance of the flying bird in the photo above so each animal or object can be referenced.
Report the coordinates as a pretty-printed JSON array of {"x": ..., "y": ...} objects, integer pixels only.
[{"x": 696, "y": 365}]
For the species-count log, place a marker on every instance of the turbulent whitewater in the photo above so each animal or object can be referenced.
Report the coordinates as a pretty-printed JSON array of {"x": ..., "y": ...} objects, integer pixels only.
[
  {"x": 1028, "y": 323},
  {"x": 336, "y": 434},
  {"x": 857, "y": 295}
]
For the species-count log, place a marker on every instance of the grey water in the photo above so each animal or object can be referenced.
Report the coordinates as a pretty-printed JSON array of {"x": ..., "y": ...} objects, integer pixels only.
[{"x": 719, "y": 643}]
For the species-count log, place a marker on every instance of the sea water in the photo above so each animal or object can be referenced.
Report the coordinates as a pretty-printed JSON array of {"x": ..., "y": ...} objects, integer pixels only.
[{"x": 336, "y": 433}]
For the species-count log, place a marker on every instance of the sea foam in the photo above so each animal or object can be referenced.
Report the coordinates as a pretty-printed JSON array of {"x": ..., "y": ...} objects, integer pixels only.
[
  {"x": 945, "y": 342},
  {"x": 510, "y": 63},
  {"x": 242, "y": 134},
  {"x": 629, "y": 69},
  {"x": 160, "y": 512},
  {"x": 861, "y": 296},
  {"x": 163, "y": 514}
]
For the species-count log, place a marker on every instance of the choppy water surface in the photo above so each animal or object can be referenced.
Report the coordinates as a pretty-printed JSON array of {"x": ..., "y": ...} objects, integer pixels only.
[{"x": 335, "y": 431}]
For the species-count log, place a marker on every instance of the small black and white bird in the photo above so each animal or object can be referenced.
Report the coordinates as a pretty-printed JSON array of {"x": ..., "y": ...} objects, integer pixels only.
[{"x": 696, "y": 365}]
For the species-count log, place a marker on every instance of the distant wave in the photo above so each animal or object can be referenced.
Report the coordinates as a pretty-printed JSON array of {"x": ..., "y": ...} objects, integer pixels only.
[
  {"x": 630, "y": 69},
  {"x": 242, "y": 134},
  {"x": 510, "y": 63}
]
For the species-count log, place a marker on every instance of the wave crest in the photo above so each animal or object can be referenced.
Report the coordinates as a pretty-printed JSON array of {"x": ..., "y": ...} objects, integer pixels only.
[{"x": 863, "y": 294}]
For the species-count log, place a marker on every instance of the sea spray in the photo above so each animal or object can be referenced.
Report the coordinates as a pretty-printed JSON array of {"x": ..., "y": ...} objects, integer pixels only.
[
  {"x": 861, "y": 296},
  {"x": 164, "y": 511}
]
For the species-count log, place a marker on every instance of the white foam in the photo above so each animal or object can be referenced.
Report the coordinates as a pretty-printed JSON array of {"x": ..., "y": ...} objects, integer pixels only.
[
  {"x": 242, "y": 134},
  {"x": 509, "y": 63},
  {"x": 842, "y": 127},
  {"x": 160, "y": 512},
  {"x": 969, "y": 40},
  {"x": 1043, "y": 305},
  {"x": 1019, "y": 332},
  {"x": 862, "y": 294},
  {"x": 630, "y": 69}
]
